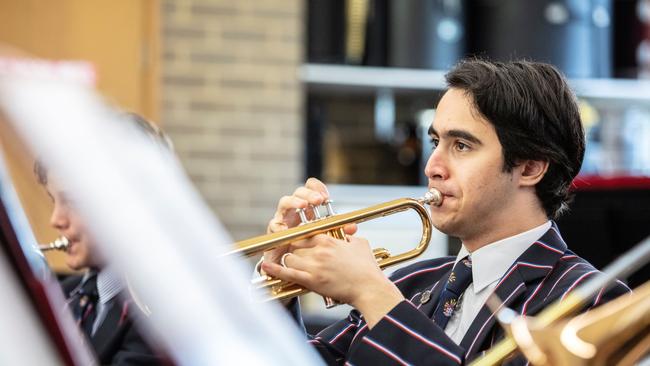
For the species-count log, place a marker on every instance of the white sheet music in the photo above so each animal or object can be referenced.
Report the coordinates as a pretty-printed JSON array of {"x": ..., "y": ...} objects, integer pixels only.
[{"x": 153, "y": 225}]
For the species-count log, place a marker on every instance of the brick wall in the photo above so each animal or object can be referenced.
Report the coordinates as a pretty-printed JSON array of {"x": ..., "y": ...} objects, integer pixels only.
[{"x": 232, "y": 102}]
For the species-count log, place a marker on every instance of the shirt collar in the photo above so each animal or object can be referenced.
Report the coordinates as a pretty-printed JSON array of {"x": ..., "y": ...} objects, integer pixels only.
[
  {"x": 109, "y": 284},
  {"x": 490, "y": 262}
]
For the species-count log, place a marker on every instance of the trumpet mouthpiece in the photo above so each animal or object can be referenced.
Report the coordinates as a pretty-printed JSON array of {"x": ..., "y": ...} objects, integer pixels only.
[
  {"x": 433, "y": 197},
  {"x": 58, "y": 244}
]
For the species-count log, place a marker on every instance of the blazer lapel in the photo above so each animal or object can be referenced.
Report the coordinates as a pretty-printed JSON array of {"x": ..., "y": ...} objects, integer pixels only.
[
  {"x": 109, "y": 328},
  {"x": 510, "y": 289},
  {"x": 532, "y": 266},
  {"x": 428, "y": 299},
  {"x": 425, "y": 301}
]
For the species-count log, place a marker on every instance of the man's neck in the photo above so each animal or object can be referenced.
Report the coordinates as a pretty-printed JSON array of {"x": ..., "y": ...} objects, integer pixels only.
[{"x": 504, "y": 230}]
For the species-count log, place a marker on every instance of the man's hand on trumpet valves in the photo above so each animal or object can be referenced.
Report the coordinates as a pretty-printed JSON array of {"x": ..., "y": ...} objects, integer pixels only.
[
  {"x": 344, "y": 270},
  {"x": 315, "y": 193}
]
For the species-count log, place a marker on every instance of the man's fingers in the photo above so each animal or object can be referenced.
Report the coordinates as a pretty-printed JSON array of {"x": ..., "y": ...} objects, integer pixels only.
[
  {"x": 309, "y": 243},
  {"x": 318, "y": 186},
  {"x": 295, "y": 261},
  {"x": 359, "y": 241},
  {"x": 286, "y": 273},
  {"x": 285, "y": 216},
  {"x": 310, "y": 195},
  {"x": 350, "y": 229},
  {"x": 287, "y": 203},
  {"x": 275, "y": 226}
]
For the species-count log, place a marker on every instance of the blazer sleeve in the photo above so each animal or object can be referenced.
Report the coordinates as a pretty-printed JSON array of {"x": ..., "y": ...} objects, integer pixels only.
[
  {"x": 131, "y": 349},
  {"x": 403, "y": 336},
  {"x": 135, "y": 351},
  {"x": 406, "y": 336}
]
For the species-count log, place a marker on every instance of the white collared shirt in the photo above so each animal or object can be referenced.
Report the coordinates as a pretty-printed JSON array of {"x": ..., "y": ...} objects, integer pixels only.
[
  {"x": 489, "y": 264},
  {"x": 109, "y": 284}
]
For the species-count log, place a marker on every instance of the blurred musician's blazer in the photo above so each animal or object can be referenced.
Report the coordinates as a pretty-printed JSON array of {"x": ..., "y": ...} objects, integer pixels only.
[
  {"x": 546, "y": 271},
  {"x": 116, "y": 341}
]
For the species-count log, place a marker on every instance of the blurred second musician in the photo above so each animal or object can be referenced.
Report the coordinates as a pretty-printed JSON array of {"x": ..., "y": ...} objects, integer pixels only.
[{"x": 98, "y": 298}]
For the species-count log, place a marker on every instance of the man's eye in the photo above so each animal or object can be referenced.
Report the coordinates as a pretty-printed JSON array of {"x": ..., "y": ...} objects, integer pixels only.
[
  {"x": 434, "y": 142},
  {"x": 65, "y": 200},
  {"x": 462, "y": 146}
]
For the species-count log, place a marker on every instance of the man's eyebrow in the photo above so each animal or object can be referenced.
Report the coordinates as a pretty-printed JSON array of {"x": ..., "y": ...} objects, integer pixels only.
[
  {"x": 458, "y": 134},
  {"x": 463, "y": 135}
]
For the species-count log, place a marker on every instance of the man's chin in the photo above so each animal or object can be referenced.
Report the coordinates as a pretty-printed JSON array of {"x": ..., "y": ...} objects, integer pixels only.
[
  {"x": 74, "y": 264},
  {"x": 445, "y": 227}
]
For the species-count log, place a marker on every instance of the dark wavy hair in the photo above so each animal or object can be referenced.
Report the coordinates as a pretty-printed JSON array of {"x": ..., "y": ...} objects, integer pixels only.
[{"x": 535, "y": 115}]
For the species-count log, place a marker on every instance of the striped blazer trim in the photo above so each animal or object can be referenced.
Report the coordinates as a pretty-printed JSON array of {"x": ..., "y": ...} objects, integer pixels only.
[
  {"x": 564, "y": 274},
  {"x": 577, "y": 282},
  {"x": 524, "y": 308},
  {"x": 384, "y": 350},
  {"x": 361, "y": 330},
  {"x": 341, "y": 333},
  {"x": 546, "y": 246},
  {"x": 424, "y": 340},
  {"x": 516, "y": 266},
  {"x": 422, "y": 271},
  {"x": 508, "y": 299}
]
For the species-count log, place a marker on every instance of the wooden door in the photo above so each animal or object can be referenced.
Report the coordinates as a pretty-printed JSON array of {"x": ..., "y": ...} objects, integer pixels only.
[{"x": 120, "y": 38}]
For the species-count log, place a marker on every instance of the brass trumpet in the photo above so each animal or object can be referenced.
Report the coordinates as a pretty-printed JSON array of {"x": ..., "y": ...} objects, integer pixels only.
[
  {"x": 333, "y": 224},
  {"x": 61, "y": 243}
]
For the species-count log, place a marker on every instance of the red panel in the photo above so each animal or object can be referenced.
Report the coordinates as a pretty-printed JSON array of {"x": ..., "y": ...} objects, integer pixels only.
[{"x": 594, "y": 182}]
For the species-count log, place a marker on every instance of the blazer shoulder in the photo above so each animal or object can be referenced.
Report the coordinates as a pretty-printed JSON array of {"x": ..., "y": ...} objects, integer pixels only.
[
  {"x": 571, "y": 266},
  {"x": 571, "y": 271}
]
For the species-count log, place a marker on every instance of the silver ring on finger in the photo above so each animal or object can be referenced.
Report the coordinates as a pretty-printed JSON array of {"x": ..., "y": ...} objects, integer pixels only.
[{"x": 283, "y": 260}]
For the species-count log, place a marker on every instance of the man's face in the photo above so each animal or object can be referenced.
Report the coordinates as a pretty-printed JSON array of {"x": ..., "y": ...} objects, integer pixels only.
[
  {"x": 64, "y": 218},
  {"x": 466, "y": 165}
]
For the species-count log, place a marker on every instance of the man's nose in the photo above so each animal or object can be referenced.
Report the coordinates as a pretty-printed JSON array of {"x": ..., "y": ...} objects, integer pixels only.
[
  {"x": 59, "y": 218},
  {"x": 437, "y": 168}
]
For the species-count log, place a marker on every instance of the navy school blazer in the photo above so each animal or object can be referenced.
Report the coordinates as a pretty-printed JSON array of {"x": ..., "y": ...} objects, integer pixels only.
[
  {"x": 117, "y": 341},
  {"x": 407, "y": 335}
]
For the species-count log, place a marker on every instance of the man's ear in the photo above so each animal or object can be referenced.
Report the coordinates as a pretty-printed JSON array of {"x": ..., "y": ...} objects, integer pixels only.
[{"x": 532, "y": 171}]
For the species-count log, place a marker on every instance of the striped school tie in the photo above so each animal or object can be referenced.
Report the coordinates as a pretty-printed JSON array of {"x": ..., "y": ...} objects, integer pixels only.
[
  {"x": 85, "y": 309},
  {"x": 459, "y": 279}
]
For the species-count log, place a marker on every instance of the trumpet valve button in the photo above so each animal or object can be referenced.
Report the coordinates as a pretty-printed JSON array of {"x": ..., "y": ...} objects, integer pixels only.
[
  {"x": 316, "y": 212},
  {"x": 303, "y": 216},
  {"x": 329, "y": 208}
]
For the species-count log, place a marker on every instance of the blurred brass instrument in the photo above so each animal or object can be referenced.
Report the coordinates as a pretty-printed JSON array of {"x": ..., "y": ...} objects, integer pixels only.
[
  {"x": 61, "y": 243},
  {"x": 616, "y": 333},
  {"x": 332, "y": 224}
]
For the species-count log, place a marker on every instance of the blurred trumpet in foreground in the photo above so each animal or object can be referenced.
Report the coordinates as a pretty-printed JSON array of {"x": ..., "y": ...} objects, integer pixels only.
[
  {"x": 616, "y": 333},
  {"x": 60, "y": 243},
  {"x": 333, "y": 224}
]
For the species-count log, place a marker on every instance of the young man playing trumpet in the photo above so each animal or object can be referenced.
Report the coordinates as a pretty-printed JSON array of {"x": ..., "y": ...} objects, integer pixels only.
[{"x": 508, "y": 142}]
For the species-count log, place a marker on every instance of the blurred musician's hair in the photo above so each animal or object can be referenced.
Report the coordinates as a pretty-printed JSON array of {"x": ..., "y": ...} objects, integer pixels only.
[{"x": 143, "y": 125}]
